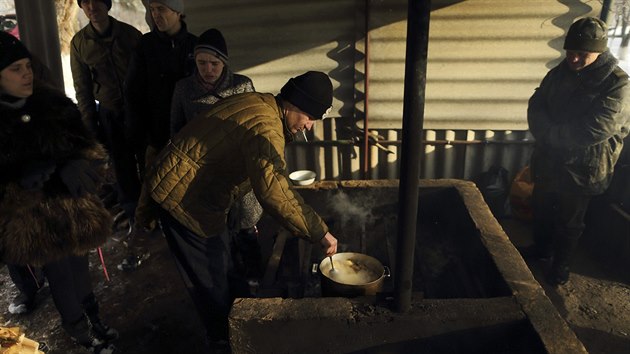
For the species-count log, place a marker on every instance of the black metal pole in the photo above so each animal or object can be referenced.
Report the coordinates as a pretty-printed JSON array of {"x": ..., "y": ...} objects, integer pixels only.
[
  {"x": 418, "y": 17},
  {"x": 366, "y": 89},
  {"x": 605, "y": 10}
]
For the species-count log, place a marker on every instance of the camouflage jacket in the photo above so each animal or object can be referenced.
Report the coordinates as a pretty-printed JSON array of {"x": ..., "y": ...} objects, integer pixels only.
[{"x": 579, "y": 120}]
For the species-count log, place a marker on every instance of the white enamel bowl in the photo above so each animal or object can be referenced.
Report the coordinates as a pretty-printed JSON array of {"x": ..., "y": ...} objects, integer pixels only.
[{"x": 302, "y": 177}]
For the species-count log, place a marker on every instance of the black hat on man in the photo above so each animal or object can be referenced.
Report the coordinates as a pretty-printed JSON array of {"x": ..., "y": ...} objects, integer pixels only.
[
  {"x": 107, "y": 2},
  {"x": 311, "y": 92},
  {"x": 11, "y": 50},
  {"x": 212, "y": 41},
  {"x": 587, "y": 34}
]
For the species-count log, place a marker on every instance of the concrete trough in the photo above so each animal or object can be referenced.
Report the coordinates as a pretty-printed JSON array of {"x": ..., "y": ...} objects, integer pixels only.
[{"x": 472, "y": 292}]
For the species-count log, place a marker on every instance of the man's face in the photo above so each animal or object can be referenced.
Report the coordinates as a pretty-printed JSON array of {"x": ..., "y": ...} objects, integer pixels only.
[
  {"x": 17, "y": 79},
  {"x": 297, "y": 120},
  {"x": 209, "y": 66},
  {"x": 164, "y": 18},
  {"x": 578, "y": 60},
  {"x": 94, "y": 10}
]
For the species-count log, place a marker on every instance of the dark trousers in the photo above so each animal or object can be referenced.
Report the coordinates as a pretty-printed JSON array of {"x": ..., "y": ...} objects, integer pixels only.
[
  {"x": 27, "y": 283},
  {"x": 558, "y": 222},
  {"x": 147, "y": 211},
  {"x": 112, "y": 134},
  {"x": 70, "y": 286},
  {"x": 205, "y": 264}
]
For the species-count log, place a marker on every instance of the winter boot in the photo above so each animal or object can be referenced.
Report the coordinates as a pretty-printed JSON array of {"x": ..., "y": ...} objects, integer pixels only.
[
  {"x": 81, "y": 332},
  {"x": 542, "y": 248},
  {"x": 22, "y": 303},
  {"x": 102, "y": 331},
  {"x": 565, "y": 248},
  {"x": 137, "y": 251}
]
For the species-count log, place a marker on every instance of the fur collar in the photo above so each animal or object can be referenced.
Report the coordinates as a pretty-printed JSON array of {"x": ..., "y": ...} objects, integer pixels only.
[{"x": 594, "y": 74}]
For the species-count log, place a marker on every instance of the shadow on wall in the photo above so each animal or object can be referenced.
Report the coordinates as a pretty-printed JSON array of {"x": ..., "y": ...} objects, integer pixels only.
[{"x": 274, "y": 29}]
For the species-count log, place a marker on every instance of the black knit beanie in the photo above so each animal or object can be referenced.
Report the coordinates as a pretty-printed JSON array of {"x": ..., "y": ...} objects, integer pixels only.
[
  {"x": 587, "y": 35},
  {"x": 11, "y": 50},
  {"x": 212, "y": 41},
  {"x": 107, "y": 2},
  {"x": 311, "y": 92}
]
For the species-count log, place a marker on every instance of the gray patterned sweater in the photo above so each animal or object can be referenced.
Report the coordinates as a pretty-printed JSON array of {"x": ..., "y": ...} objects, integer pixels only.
[{"x": 190, "y": 97}]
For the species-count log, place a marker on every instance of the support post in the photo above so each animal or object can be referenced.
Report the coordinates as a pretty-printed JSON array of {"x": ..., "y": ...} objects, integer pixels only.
[{"x": 413, "y": 115}]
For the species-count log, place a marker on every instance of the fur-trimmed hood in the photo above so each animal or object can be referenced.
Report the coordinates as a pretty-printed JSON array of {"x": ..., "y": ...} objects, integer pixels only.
[{"x": 41, "y": 225}]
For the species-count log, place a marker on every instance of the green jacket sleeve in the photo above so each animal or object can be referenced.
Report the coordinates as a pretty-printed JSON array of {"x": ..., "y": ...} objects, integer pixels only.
[{"x": 266, "y": 169}]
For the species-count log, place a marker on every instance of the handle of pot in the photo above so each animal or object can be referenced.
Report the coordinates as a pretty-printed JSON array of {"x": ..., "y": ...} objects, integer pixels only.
[
  {"x": 314, "y": 268},
  {"x": 386, "y": 272}
]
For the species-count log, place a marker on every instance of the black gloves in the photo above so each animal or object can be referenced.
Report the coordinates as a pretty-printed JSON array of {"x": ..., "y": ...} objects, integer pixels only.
[
  {"x": 36, "y": 173},
  {"x": 80, "y": 176}
]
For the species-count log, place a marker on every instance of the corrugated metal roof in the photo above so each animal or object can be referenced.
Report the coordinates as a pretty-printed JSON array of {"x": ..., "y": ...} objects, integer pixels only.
[{"x": 485, "y": 57}]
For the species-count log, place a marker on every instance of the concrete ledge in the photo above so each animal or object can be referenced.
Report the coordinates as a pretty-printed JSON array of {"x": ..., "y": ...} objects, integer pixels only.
[{"x": 341, "y": 325}]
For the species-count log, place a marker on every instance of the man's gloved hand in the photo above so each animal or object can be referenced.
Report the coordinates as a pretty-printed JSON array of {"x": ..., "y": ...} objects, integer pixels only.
[
  {"x": 80, "y": 176},
  {"x": 36, "y": 173}
]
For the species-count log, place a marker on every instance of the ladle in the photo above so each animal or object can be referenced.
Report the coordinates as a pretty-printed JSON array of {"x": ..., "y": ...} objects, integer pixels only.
[{"x": 332, "y": 265}]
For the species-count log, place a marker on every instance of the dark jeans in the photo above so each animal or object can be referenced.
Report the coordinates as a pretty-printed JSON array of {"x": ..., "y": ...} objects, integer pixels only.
[
  {"x": 112, "y": 134},
  {"x": 147, "y": 211},
  {"x": 70, "y": 286},
  {"x": 205, "y": 264},
  {"x": 558, "y": 222},
  {"x": 27, "y": 283}
]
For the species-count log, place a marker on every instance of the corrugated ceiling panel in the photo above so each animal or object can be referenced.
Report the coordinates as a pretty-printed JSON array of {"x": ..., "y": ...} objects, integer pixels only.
[
  {"x": 272, "y": 41},
  {"x": 486, "y": 57}
]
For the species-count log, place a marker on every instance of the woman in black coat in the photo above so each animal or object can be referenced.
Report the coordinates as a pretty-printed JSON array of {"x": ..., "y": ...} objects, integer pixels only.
[{"x": 50, "y": 215}]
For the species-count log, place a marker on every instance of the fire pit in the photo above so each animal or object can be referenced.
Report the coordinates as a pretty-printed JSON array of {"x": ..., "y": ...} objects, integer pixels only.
[{"x": 472, "y": 292}]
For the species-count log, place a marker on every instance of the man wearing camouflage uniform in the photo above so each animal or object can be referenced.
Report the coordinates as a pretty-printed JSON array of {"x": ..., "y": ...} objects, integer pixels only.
[{"x": 579, "y": 116}]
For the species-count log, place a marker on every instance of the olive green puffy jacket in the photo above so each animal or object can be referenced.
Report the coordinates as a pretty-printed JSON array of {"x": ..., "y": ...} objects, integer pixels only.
[
  {"x": 220, "y": 156},
  {"x": 99, "y": 66}
]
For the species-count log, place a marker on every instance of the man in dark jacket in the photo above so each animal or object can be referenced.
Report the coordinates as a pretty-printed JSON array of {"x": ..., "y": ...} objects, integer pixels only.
[
  {"x": 579, "y": 116},
  {"x": 163, "y": 57},
  {"x": 99, "y": 58}
]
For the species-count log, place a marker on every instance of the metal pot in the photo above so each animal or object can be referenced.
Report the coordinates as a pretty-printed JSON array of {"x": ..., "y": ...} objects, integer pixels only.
[{"x": 355, "y": 274}]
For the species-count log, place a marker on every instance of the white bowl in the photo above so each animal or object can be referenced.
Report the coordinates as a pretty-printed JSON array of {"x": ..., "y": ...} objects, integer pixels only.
[{"x": 302, "y": 177}]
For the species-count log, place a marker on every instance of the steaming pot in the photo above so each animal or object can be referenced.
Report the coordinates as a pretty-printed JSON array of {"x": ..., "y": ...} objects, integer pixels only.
[{"x": 355, "y": 274}]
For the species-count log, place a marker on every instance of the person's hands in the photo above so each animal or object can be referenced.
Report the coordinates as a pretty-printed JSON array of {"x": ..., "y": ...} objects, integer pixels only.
[
  {"x": 80, "y": 177},
  {"x": 36, "y": 173},
  {"x": 329, "y": 244}
]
